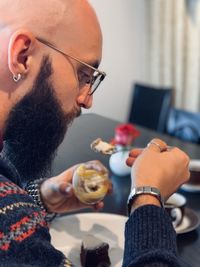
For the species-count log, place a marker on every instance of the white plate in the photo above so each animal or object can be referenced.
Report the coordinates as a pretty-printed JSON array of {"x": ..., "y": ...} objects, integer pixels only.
[
  {"x": 191, "y": 188},
  {"x": 190, "y": 222},
  {"x": 67, "y": 233}
]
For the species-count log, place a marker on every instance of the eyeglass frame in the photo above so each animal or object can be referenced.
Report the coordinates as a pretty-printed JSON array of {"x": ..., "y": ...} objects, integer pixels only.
[{"x": 101, "y": 74}]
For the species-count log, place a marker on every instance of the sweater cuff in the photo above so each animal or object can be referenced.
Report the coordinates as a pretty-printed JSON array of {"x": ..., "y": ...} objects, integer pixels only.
[{"x": 149, "y": 228}]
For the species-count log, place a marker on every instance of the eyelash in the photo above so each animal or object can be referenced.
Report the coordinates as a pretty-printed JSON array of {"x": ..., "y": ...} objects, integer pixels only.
[{"x": 84, "y": 78}]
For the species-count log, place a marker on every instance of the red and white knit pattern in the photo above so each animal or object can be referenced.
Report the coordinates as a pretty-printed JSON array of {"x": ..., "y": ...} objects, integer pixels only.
[
  {"x": 23, "y": 217},
  {"x": 27, "y": 225}
]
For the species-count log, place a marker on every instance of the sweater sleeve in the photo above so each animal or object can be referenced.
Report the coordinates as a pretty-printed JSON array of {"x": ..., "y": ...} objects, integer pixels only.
[
  {"x": 150, "y": 239},
  {"x": 24, "y": 232}
]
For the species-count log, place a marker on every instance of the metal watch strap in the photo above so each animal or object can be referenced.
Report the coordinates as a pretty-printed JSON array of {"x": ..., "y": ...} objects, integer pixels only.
[
  {"x": 33, "y": 189},
  {"x": 148, "y": 190}
]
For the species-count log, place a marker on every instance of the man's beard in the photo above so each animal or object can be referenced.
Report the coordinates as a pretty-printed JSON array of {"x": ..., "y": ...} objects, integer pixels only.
[{"x": 35, "y": 128}]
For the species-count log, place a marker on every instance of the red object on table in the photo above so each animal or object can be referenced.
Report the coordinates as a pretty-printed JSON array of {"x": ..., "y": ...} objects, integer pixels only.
[{"x": 125, "y": 134}]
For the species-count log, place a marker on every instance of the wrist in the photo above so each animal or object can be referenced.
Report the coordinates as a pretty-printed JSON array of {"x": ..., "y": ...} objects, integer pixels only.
[
  {"x": 144, "y": 195},
  {"x": 33, "y": 189},
  {"x": 142, "y": 200},
  {"x": 44, "y": 200}
]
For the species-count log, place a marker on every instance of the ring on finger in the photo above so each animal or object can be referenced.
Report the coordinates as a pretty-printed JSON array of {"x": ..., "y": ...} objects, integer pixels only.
[{"x": 156, "y": 144}]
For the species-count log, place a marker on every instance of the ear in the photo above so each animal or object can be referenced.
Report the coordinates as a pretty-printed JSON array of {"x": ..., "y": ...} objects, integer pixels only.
[{"x": 20, "y": 51}]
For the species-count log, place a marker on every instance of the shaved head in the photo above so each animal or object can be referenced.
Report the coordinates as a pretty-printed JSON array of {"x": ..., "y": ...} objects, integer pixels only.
[
  {"x": 33, "y": 14},
  {"x": 30, "y": 13},
  {"x": 70, "y": 25},
  {"x": 48, "y": 18}
]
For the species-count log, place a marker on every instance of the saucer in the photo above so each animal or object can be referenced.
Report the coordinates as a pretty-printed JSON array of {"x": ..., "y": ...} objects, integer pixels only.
[
  {"x": 189, "y": 223},
  {"x": 191, "y": 188},
  {"x": 194, "y": 165}
]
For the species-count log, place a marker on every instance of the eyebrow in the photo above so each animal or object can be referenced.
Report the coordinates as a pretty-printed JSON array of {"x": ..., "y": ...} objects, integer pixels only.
[{"x": 94, "y": 64}]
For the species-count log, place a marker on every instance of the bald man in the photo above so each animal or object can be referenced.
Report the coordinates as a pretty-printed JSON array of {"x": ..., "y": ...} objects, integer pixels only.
[
  {"x": 50, "y": 51},
  {"x": 41, "y": 91},
  {"x": 33, "y": 73}
]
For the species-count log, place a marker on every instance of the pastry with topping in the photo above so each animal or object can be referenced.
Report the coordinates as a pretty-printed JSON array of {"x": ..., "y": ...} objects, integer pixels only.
[
  {"x": 100, "y": 146},
  {"x": 90, "y": 186}
]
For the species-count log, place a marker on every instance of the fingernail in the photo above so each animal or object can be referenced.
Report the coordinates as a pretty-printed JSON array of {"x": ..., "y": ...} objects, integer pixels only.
[
  {"x": 68, "y": 189},
  {"x": 55, "y": 188}
]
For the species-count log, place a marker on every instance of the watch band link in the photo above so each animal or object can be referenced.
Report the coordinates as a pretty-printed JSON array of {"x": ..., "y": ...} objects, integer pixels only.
[
  {"x": 33, "y": 189},
  {"x": 148, "y": 190}
]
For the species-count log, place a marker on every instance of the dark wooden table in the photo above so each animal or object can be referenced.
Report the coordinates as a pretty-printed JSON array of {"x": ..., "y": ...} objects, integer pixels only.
[{"x": 76, "y": 148}]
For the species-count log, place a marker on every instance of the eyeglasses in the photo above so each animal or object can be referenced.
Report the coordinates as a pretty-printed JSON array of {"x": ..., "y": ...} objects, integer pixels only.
[{"x": 93, "y": 80}]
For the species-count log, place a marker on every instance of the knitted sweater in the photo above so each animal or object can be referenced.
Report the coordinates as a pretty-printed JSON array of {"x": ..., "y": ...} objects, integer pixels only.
[
  {"x": 150, "y": 239},
  {"x": 25, "y": 239},
  {"x": 24, "y": 232}
]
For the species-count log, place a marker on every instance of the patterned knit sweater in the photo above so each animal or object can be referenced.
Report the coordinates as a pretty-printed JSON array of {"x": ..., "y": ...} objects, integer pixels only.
[
  {"x": 24, "y": 232},
  {"x": 25, "y": 239}
]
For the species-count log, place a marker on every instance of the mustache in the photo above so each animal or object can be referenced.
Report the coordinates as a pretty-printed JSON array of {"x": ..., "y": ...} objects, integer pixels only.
[{"x": 70, "y": 116}]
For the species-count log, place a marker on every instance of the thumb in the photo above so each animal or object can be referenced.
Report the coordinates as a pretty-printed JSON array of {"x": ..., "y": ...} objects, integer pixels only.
[{"x": 63, "y": 188}]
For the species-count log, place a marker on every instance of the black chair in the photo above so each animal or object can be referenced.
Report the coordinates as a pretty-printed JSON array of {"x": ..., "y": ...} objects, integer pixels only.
[
  {"x": 184, "y": 124},
  {"x": 150, "y": 107}
]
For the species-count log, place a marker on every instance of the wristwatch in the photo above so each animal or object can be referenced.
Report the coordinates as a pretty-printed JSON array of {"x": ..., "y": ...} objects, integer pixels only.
[
  {"x": 148, "y": 190},
  {"x": 33, "y": 189}
]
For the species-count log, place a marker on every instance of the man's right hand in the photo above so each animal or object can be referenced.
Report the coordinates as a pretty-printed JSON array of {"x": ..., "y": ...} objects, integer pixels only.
[{"x": 166, "y": 170}]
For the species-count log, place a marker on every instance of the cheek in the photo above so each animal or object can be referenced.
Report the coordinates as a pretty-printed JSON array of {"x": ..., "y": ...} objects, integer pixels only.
[{"x": 65, "y": 85}]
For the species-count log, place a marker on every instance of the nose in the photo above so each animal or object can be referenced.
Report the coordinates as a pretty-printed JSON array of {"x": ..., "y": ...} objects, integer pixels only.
[{"x": 84, "y": 99}]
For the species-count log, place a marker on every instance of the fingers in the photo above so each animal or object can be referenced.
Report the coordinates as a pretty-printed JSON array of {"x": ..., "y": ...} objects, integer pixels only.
[
  {"x": 178, "y": 153},
  {"x": 130, "y": 161},
  {"x": 96, "y": 165},
  {"x": 63, "y": 188},
  {"x": 134, "y": 153},
  {"x": 98, "y": 206},
  {"x": 157, "y": 145},
  {"x": 110, "y": 188}
]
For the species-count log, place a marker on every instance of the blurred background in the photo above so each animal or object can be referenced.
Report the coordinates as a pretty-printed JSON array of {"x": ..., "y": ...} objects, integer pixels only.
[
  {"x": 123, "y": 24},
  {"x": 150, "y": 43}
]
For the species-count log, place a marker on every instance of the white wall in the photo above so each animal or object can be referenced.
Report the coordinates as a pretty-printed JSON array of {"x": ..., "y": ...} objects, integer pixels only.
[{"x": 122, "y": 25}]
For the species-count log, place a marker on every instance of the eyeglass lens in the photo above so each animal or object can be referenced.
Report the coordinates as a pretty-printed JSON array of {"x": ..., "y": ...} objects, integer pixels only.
[{"x": 97, "y": 79}]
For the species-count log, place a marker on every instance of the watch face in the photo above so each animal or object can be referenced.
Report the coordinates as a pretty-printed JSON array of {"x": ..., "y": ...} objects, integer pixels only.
[{"x": 141, "y": 191}]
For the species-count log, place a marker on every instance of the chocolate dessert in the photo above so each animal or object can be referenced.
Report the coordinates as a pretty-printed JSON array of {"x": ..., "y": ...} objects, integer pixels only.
[{"x": 94, "y": 252}]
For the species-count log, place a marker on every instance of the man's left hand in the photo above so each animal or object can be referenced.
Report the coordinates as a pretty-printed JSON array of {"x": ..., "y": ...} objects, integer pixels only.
[{"x": 57, "y": 192}]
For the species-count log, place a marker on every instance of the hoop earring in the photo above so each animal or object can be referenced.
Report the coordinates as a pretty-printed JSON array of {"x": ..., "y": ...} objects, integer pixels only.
[{"x": 17, "y": 77}]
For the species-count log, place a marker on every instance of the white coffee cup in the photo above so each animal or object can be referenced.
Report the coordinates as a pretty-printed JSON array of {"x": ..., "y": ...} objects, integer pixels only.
[
  {"x": 175, "y": 206},
  {"x": 194, "y": 167}
]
